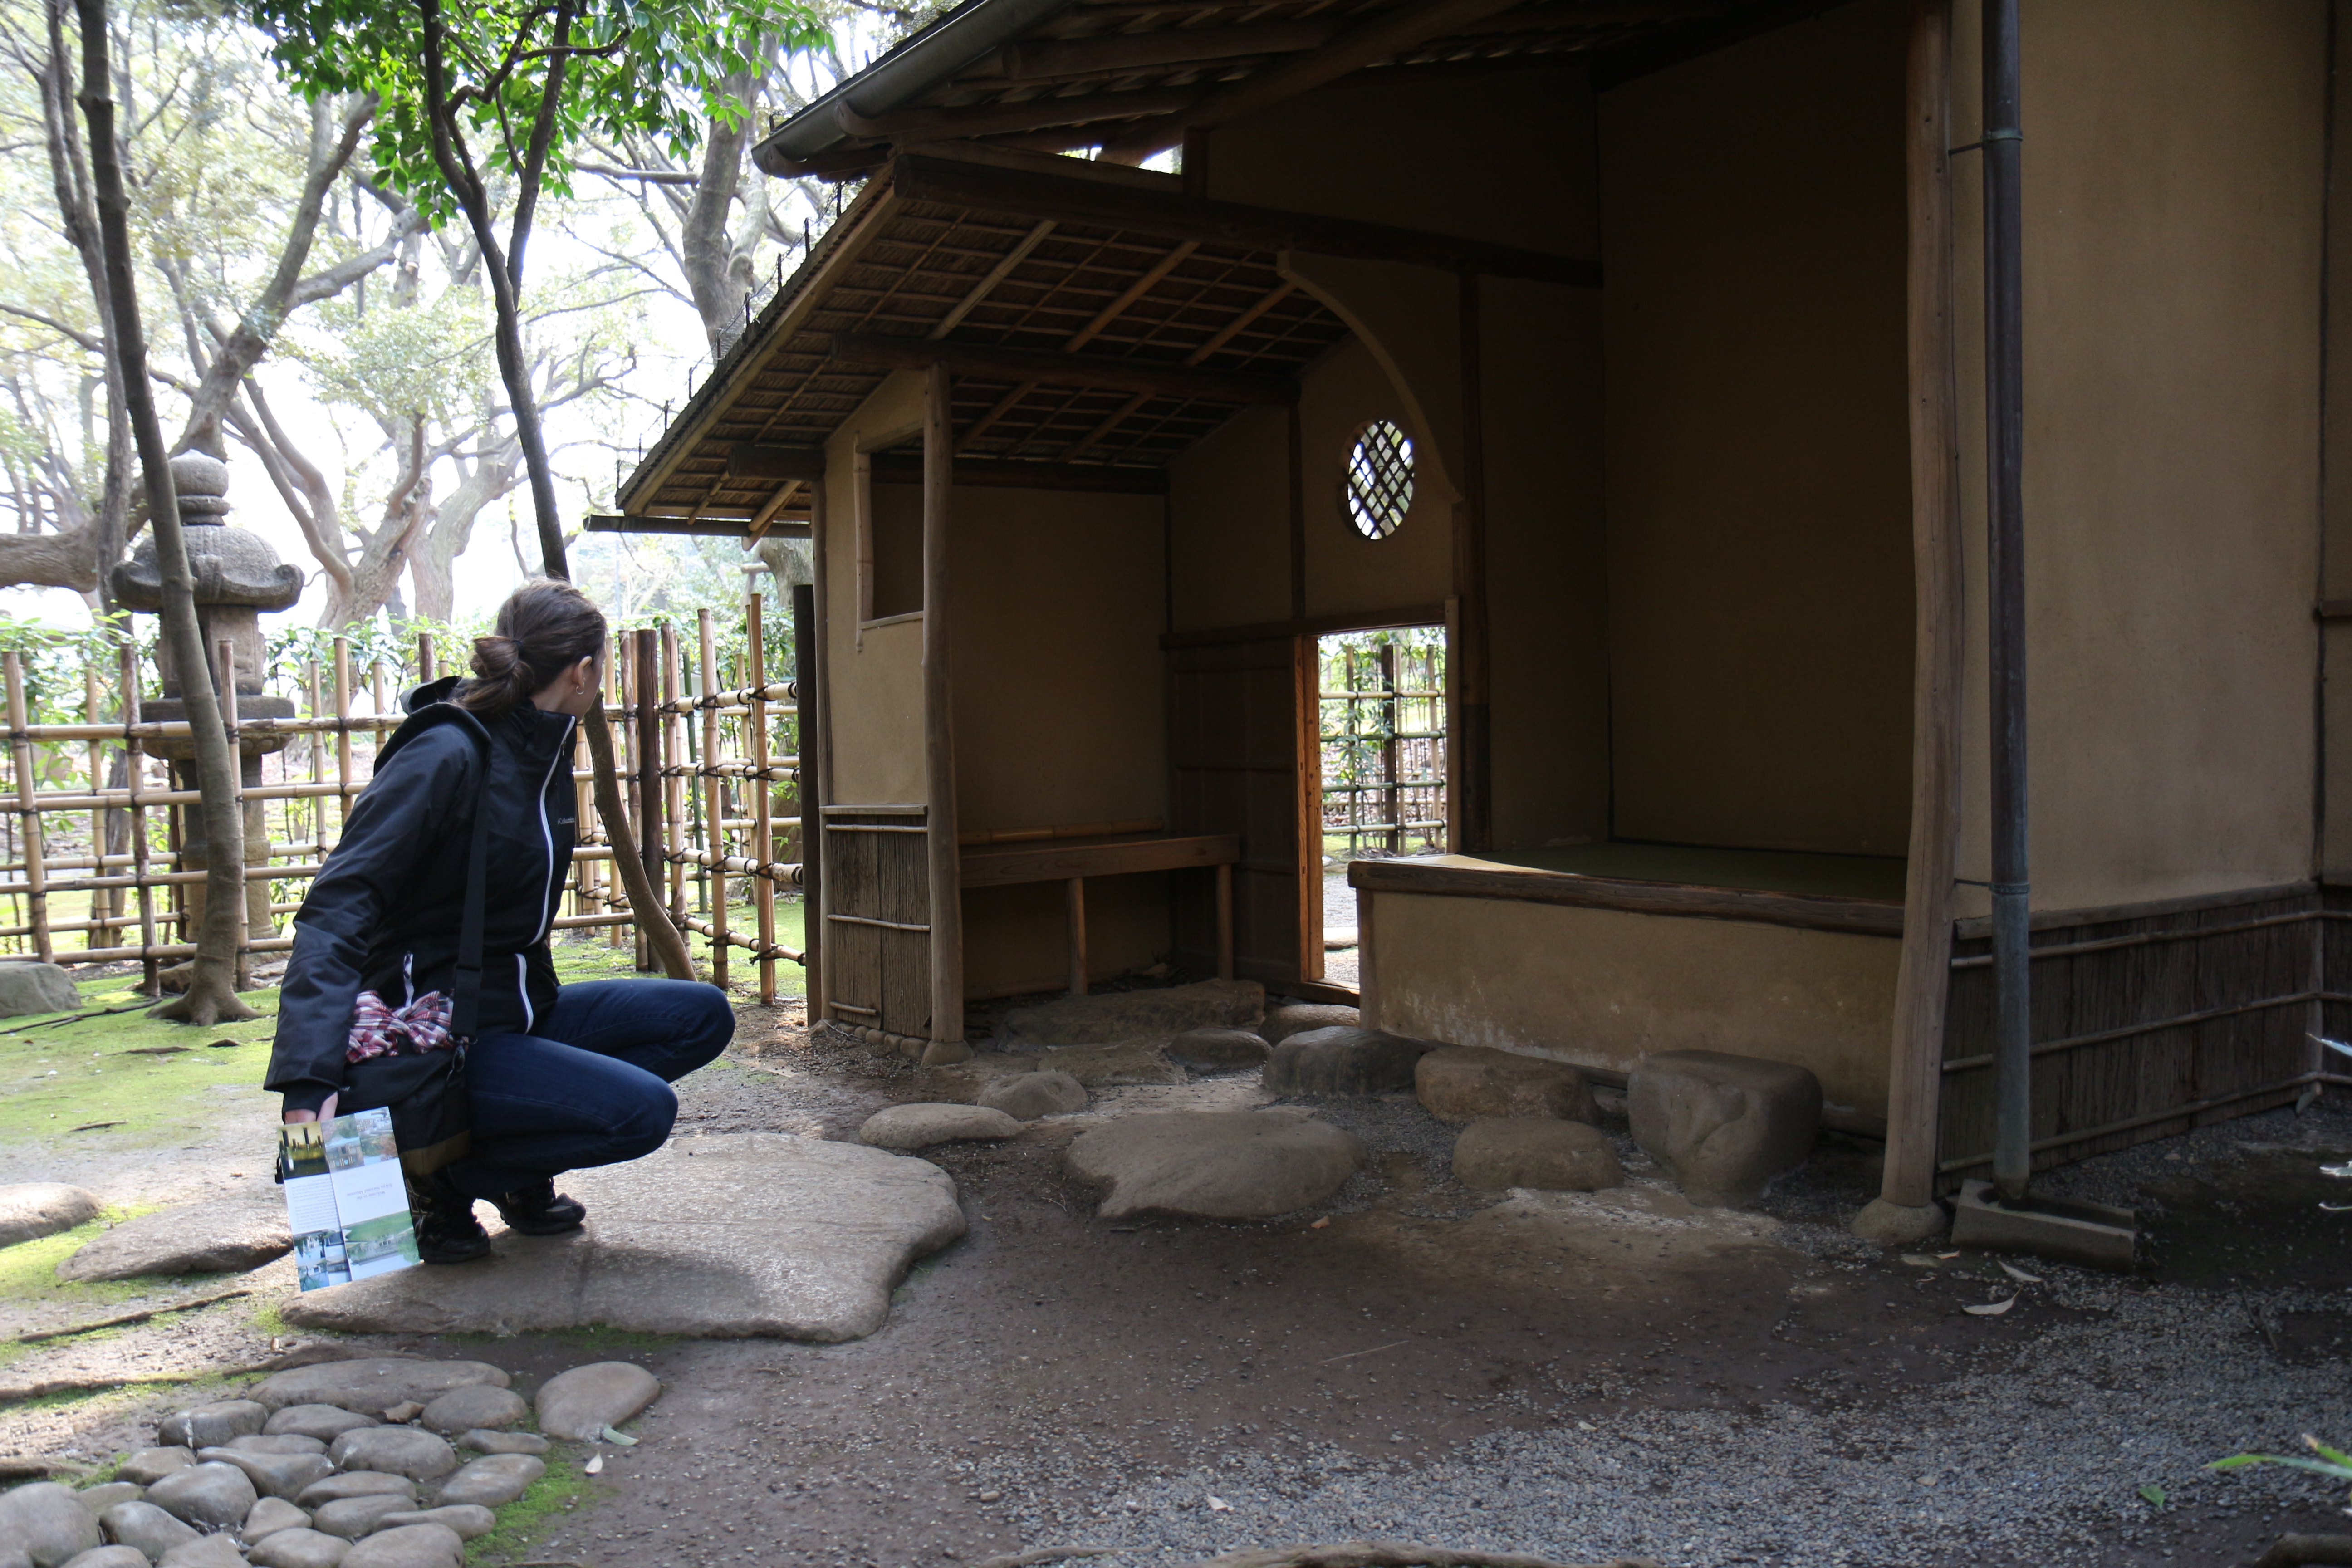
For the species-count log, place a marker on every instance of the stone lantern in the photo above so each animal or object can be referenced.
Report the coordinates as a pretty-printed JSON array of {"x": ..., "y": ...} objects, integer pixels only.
[{"x": 237, "y": 575}]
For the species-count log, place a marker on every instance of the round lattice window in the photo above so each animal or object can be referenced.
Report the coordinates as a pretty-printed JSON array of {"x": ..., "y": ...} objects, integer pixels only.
[{"x": 1379, "y": 479}]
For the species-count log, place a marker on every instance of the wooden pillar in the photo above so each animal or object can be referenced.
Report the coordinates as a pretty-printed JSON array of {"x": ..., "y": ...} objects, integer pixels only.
[
  {"x": 763, "y": 842},
  {"x": 36, "y": 900},
  {"x": 714, "y": 795},
  {"x": 647, "y": 754},
  {"x": 807, "y": 717},
  {"x": 816, "y": 757},
  {"x": 1472, "y": 745},
  {"x": 1297, "y": 437},
  {"x": 1075, "y": 899},
  {"x": 938, "y": 724},
  {"x": 1915, "y": 1063}
]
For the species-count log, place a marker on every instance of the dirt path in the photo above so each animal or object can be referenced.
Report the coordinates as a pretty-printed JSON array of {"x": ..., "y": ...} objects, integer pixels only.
[{"x": 1582, "y": 1376}]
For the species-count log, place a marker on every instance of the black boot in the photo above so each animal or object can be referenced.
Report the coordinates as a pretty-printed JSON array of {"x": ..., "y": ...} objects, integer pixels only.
[
  {"x": 539, "y": 1210},
  {"x": 446, "y": 1230}
]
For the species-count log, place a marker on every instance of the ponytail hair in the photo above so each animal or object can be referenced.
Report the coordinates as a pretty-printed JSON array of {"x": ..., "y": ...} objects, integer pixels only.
[{"x": 543, "y": 629}]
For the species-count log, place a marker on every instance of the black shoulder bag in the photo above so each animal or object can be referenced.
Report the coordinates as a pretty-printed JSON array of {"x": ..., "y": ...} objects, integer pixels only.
[{"x": 432, "y": 1109}]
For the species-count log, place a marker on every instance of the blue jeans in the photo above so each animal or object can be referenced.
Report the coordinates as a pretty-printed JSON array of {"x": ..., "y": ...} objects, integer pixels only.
[{"x": 592, "y": 1087}]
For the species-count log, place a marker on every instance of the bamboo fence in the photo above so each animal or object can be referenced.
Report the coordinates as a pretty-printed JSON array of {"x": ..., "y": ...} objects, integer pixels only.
[{"x": 91, "y": 825}]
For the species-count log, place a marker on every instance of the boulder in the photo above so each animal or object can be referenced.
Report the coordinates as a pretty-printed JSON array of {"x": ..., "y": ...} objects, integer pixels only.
[
  {"x": 96, "y": 1557},
  {"x": 1223, "y": 1164},
  {"x": 1723, "y": 1126},
  {"x": 468, "y": 1520},
  {"x": 282, "y": 1443},
  {"x": 356, "y": 1483},
  {"x": 299, "y": 1550},
  {"x": 271, "y": 1515},
  {"x": 1546, "y": 1153},
  {"x": 375, "y": 1384},
  {"x": 149, "y": 1466},
  {"x": 491, "y": 1480},
  {"x": 204, "y": 1551},
  {"x": 32, "y": 1209},
  {"x": 353, "y": 1517},
  {"x": 212, "y": 1496},
  {"x": 1027, "y": 1095},
  {"x": 208, "y": 1425},
  {"x": 303, "y": 1548},
  {"x": 483, "y": 1442},
  {"x": 1297, "y": 1018},
  {"x": 727, "y": 1237},
  {"x": 408, "y": 1546},
  {"x": 1115, "y": 1015},
  {"x": 273, "y": 1475},
  {"x": 1218, "y": 1050},
  {"x": 395, "y": 1451},
  {"x": 143, "y": 1525},
  {"x": 48, "y": 1523},
  {"x": 582, "y": 1402},
  {"x": 1472, "y": 1083},
  {"x": 323, "y": 1422},
  {"x": 27, "y": 986},
  {"x": 198, "y": 1238},
  {"x": 97, "y": 1499},
  {"x": 1343, "y": 1061},
  {"x": 466, "y": 1409},
  {"x": 920, "y": 1126}
]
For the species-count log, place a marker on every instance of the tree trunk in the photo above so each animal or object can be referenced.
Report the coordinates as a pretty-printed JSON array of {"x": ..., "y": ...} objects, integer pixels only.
[
  {"x": 503, "y": 266},
  {"x": 211, "y": 996}
]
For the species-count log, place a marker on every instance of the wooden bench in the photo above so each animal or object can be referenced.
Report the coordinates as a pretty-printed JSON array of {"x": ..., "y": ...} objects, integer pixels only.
[{"x": 1071, "y": 862}]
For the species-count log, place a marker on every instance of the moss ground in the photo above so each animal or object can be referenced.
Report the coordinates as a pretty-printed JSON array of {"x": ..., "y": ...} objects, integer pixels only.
[{"x": 563, "y": 1488}]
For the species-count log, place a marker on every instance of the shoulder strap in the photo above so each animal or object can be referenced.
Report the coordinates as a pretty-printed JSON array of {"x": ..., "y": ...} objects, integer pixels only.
[{"x": 466, "y": 998}]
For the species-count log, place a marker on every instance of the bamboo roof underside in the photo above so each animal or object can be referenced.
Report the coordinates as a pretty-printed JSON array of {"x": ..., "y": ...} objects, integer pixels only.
[{"x": 1079, "y": 349}]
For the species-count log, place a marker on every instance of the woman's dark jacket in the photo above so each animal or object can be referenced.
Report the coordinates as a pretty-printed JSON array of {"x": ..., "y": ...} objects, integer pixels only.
[{"x": 384, "y": 913}]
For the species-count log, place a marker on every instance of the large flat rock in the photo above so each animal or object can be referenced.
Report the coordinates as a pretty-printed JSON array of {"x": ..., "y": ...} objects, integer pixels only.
[
  {"x": 734, "y": 1235},
  {"x": 1232, "y": 1164},
  {"x": 197, "y": 1238},
  {"x": 43, "y": 1208}
]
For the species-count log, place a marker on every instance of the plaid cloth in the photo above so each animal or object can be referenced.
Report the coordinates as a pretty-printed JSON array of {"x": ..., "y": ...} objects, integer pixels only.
[{"x": 380, "y": 1031}]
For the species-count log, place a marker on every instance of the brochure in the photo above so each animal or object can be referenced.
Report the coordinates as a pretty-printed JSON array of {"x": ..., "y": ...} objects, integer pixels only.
[{"x": 345, "y": 1199}]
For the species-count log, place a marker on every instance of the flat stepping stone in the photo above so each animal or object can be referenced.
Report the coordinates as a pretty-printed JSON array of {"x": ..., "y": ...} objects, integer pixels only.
[
  {"x": 920, "y": 1126},
  {"x": 734, "y": 1235},
  {"x": 1723, "y": 1126},
  {"x": 582, "y": 1403},
  {"x": 30, "y": 1210},
  {"x": 370, "y": 1385},
  {"x": 1218, "y": 1050},
  {"x": 1027, "y": 1095},
  {"x": 1154, "y": 1015},
  {"x": 1339, "y": 1060},
  {"x": 1217, "y": 1164},
  {"x": 1536, "y": 1152},
  {"x": 1297, "y": 1018},
  {"x": 199, "y": 1238},
  {"x": 408, "y": 1546},
  {"x": 1471, "y": 1083}
]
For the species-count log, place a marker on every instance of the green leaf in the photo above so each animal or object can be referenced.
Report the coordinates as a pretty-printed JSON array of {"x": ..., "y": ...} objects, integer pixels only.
[{"x": 2154, "y": 1494}]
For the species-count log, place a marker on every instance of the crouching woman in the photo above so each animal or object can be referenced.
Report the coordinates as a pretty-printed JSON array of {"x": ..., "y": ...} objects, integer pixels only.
[{"x": 559, "y": 1077}]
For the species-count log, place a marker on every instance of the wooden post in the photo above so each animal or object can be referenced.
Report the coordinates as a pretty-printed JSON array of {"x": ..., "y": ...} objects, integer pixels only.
[
  {"x": 808, "y": 721},
  {"x": 224, "y": 675},
  {"x": 647, "y": 753},
  {"x": 1392, "y": 714},
  {"x": 1075, "y": 901},
  {"x": 939, "y": 725},
  {"x": 673, "y": 749},
  {"x": 134, "y": 750},
  {"x": 714, "y": 798},
  {"x": 343, "y": 733},
  {"x": 1916, "y": 1064},
  {"x": 763, "y": 887},
  {"x": 1368, "y": 991},
  {"x": 1473, "y": 750},
  {"x": 316, "y": 741},
  {"x": 37, "y": 898},
  {"x": 426, "y": 669},
  {"x": 101, "y": 932},
  {"x": 1224, "y": 922}
]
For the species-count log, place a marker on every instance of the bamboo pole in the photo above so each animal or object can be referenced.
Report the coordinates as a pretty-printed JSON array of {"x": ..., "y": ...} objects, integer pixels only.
[
  {"x": 713, "y": 814},
  {"x": 764, "y": 893},
  {"x": 134, "y": 751},
  {"x": 91, "y": 705},
  {"x": 673, "y": 746},
  {"x": 624, "y": 777},
  {"x": 36, "y": 902},
  {"x": 344, "y": 734},
  {"x": 812, "y": 740},
  {"x": 652, "y": 791},
  {"x": 225, "y": 672}
]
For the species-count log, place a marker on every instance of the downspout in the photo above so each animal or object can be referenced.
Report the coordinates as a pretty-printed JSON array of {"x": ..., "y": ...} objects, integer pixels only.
[{"x": 2003, "y": 149}]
